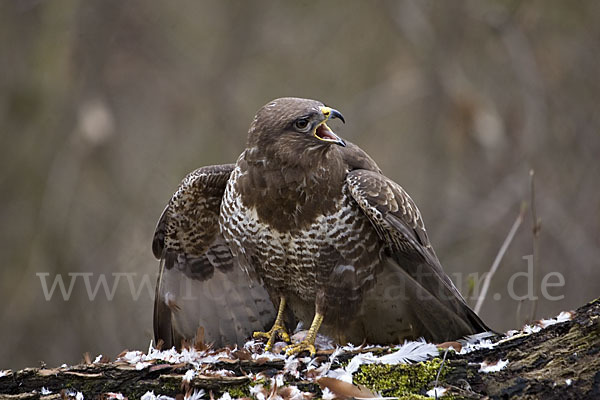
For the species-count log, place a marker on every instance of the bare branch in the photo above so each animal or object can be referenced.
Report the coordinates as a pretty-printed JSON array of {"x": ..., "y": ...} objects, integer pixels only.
[
  {"x": 536, "y": 226},
  {"x": 499, "y": 256}
]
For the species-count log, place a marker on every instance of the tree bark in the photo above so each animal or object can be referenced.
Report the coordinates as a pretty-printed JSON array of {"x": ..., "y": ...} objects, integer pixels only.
[{"x": 561, "y": 361}]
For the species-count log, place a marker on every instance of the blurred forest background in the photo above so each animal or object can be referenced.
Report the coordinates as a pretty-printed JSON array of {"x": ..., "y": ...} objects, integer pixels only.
[{"x": 106, "y": 105}]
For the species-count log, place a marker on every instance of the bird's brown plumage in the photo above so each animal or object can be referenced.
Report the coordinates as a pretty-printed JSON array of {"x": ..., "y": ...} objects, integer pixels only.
[
  {"x": 319, "y": 225},
  {"x": 200, "y": 283}
]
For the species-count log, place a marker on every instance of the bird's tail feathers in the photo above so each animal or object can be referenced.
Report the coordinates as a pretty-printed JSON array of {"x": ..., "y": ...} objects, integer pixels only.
[{"x": 433, "y": 306}]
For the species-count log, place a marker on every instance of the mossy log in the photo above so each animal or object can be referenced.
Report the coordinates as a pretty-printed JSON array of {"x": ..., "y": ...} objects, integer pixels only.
[{"x": 559, "y": 362}]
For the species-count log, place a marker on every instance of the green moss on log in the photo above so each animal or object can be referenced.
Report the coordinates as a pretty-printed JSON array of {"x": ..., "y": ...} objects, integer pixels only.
[{"x": 406, "y": 381}]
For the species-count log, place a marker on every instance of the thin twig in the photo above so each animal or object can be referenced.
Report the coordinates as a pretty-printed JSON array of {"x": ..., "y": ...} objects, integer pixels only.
[
  {"x": 437, "y": 377},
  {"x": 499, "y": 256},
  {"x": 535, "y": 227},
  {"x": 518, "y": 314}
]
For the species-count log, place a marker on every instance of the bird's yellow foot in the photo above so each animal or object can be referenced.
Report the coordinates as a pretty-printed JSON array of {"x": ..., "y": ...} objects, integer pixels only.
[
  {"x": 297, "y": 348},
  {"x": 278, "y": 330},
  {"x": 308, "y": 343}
]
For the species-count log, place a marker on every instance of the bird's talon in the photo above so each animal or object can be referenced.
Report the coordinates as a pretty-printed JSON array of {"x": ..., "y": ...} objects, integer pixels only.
[
  {"x": 258, "y": 335},
  {"x": 298, "y": 348},
  {"x": 276, "y": 331}
]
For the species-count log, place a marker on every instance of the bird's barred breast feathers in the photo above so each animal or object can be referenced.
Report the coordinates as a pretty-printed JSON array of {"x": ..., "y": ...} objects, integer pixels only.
[{"x": 300, "y": 259}]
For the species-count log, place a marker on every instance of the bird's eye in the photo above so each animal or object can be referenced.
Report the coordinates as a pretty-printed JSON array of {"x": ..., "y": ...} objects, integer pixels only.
[{"x": 302, "y": 125}]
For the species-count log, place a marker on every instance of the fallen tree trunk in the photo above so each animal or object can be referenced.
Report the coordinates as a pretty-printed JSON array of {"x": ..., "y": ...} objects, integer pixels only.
[{"x": 561, "y": 361}]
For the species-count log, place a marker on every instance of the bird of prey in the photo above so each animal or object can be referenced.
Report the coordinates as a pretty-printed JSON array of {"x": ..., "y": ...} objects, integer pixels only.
[
  {"x": 313, "y": 219},
  {"x": 200, "y": 283}
]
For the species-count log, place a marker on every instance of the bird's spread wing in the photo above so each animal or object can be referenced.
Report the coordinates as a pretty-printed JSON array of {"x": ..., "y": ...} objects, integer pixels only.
[
  {"x": 436, "y": 305},
  {"x": 200, "y": 283}
]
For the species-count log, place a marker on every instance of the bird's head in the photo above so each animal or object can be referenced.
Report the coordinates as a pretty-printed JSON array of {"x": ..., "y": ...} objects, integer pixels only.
[{"x": 289, "y": 125}]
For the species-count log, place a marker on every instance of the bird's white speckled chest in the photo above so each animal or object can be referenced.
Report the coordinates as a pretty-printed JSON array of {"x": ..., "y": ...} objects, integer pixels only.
[{"x": 296, "y": 260}]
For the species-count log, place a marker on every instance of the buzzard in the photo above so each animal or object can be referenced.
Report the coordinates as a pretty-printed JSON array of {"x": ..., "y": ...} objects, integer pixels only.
[
  {"x": 330, "y": 237},
  {"x": 308, "y": 222}
]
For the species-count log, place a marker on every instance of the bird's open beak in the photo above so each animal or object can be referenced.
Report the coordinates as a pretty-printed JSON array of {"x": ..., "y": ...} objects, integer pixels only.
[{"x": 323, "y": 132}]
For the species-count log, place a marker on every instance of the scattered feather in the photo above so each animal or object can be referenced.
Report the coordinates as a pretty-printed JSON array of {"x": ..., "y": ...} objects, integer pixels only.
[
  {"x": 456, "y": 346},
  {"x": 341, "y": 374},
  {"x": 345, "y": 390},
  {"x": 292, "y": 393},
  {"x": 259, "y": 392},
  {"x": 315, "y": 371},
  {"x": 226, "y": 396},
  {"x": 197, "y": 394},
  {"x": 45, "y": 392},
  {"x": 529, "y": 329},
  {"x": 252, "y": 344},
  {"x": 115, "y": 396},
  {"x": 568, "y": 382},
  {"x": 349, "y": 347},
  {"x": 436, "y": 392},
  {"x": 242, "y": 354},
  {"x": 222, "y": 372},
  {"x": 291, "y": 367},
  {"x": 410, "y": 352},
  {"x": 189, "y": 375},
  {"x": 327, "y": 394},
  {"x": 277, "y": 380},
  {"x": 268, "y": 357},
  {"x": 562, "y": 317},
  {"x": 483, "y": 344},
  {"x": 131, "y": 357},
  {"x": 278, "y": 347},
  {"x": 172, "y": 356},
  {"x": 322, "y": 342},
  {"x": 475, "y": 338},
  {"x": 151, "y": 396},
  {"x": 72, "y": 394},
  {"x": 475, "y": 342},
  {"x": 141, "y": 365},
  {"x": 148, "y": 396},
  {"x": 336, "y": 353},
  {"x": 496, "y": 366}
]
